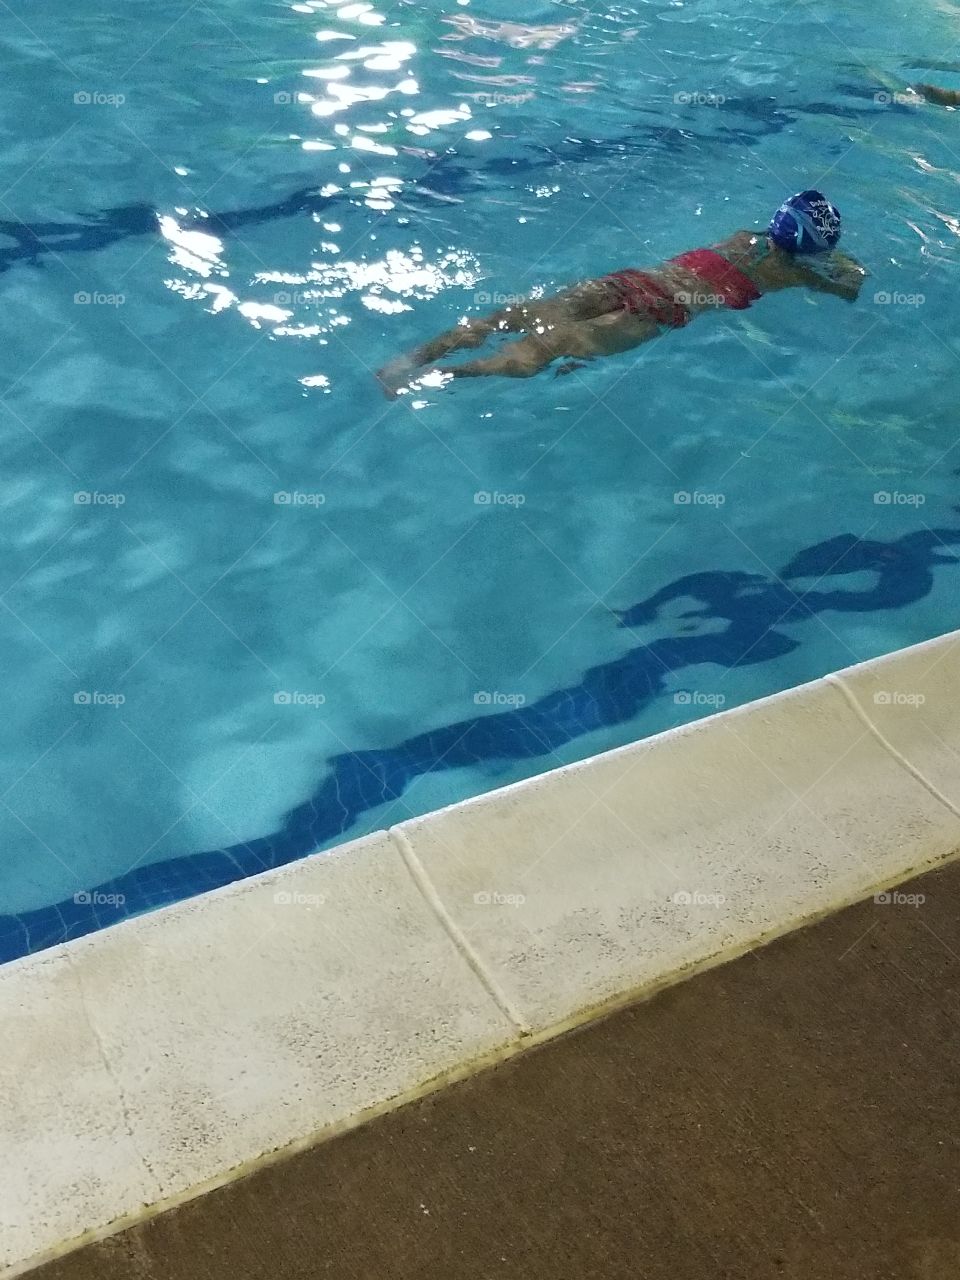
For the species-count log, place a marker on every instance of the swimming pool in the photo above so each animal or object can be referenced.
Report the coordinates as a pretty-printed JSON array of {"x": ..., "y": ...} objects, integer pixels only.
[{"x": 251, "y": 608}]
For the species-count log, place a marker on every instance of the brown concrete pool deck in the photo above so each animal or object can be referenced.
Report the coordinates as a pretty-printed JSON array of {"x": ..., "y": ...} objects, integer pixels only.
[{"x": 793, "y": 1114}]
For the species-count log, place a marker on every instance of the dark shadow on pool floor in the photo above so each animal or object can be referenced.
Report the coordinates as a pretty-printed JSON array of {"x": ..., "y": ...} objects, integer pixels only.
[{"x": 755, "y": 609}]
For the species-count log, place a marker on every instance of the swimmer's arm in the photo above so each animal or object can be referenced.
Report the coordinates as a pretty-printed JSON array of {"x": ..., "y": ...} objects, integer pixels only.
[{"x": 843, "y": 277}]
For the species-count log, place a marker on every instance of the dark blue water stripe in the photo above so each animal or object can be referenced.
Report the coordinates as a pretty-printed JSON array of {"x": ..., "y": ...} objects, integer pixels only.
[{"x": 755, "y": 609}]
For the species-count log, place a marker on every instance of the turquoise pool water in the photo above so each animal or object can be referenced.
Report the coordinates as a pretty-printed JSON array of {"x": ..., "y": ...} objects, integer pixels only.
[{"x": 250, "y": 607}]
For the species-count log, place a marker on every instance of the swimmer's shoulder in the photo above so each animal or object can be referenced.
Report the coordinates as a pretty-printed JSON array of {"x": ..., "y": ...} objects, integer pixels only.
[
  {"x": 746, "y": 250},
  {"x": 740, "y": 244},
  {"x": 767, "y": 265}
]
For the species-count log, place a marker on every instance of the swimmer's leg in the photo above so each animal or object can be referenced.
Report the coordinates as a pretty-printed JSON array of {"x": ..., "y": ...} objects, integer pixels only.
[
  {"x": 472, "y": 332},
  {"x": 934, "y": 93},
  {"x": 603, "y": 336},
  {"x": 584, "y": 301},
  {"x": 579, "y": 303}
]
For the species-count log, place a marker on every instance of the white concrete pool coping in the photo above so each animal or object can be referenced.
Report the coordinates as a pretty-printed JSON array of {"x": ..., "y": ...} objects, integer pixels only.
[{"x": 160, "y": 1058}]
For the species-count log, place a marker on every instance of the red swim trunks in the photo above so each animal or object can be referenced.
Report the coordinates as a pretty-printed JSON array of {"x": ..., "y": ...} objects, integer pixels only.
[
  {"x": 641, "y": 295},
  {"x": 728, "y": 282}
]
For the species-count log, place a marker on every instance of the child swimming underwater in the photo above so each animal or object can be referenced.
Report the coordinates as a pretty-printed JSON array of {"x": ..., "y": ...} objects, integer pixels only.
[{"x": 626, "y": 308}]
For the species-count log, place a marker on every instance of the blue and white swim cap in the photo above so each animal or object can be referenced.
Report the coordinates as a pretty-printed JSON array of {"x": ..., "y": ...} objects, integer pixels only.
[{"x": 806, "y": 223}]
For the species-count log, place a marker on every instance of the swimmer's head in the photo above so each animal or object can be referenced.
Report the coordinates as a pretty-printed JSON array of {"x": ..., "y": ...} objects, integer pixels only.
[{"x": 806, "y": 223}]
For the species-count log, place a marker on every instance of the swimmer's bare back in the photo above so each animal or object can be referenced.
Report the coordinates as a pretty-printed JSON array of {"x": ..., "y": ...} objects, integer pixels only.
[{"x": 618, "y": 312}]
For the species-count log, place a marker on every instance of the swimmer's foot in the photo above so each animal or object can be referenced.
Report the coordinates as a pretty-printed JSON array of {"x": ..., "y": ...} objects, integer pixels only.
[
  {"x": 396, "y": 376},
  {"x": 401, "y": 376},
  {"x": 434, "y": 377}
]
